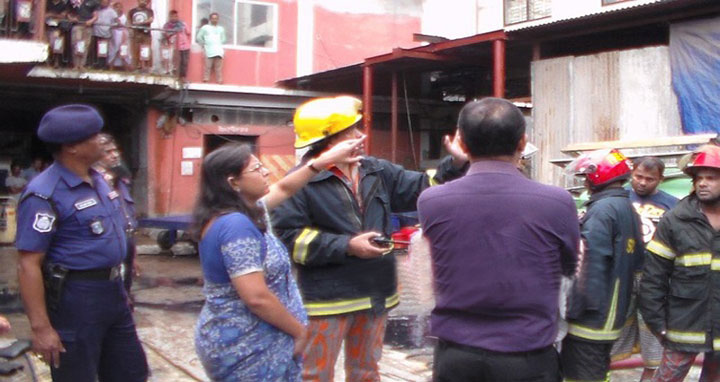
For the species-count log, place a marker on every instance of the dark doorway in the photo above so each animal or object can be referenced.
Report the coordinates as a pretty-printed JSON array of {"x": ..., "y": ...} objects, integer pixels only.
[{"x": 212, "y": 142}]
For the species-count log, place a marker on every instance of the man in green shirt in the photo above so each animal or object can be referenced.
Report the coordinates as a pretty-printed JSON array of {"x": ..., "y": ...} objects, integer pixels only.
[{"x": 212, "y": 37}]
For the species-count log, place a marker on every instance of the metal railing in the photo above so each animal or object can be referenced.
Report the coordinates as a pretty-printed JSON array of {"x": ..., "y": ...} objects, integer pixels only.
[
  {"x": 21, "y": 19},
  {"x": 27, "y": 20}
]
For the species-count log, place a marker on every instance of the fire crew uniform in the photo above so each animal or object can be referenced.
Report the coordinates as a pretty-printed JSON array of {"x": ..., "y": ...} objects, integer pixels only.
[
  {"x": 678, "y": 279},
  {"x": 81, "y": 230},
  {"x": 649, "y": 208},
  {"x": 352, "y": 293},
  {"x": 317, "y": 223},
  {"x": 600, "y": 301},
  {"x": 679, "y": 285}
]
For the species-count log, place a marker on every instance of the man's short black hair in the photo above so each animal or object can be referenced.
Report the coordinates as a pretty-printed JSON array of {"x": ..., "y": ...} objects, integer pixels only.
[
  {"x": 650, "y": 163},
  {"x": 491, "y": 127}
]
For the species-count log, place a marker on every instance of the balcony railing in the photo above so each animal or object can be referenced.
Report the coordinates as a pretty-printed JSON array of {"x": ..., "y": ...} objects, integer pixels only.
[
  {"x": 20, "y": 19},
  {"x": 71, "y": 44}
]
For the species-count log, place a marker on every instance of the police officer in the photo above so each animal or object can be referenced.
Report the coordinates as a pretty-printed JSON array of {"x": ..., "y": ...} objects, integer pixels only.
[
  {"x": 71, "y": 240},
  {"x": 118, "y": 177}
]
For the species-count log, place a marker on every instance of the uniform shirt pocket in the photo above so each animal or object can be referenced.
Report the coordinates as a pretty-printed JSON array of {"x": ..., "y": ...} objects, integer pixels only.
[{"x": 93, "y": 222}]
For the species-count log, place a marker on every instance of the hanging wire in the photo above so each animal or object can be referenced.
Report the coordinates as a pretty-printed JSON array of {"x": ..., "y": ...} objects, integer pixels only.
[{"x": 410, "y": 129}]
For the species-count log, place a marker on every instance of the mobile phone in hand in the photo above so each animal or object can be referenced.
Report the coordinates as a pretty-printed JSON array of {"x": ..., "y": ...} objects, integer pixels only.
[{"x": 382, "y": 241}]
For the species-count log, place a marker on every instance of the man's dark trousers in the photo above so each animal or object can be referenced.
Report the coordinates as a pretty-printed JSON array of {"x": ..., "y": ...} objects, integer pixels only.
[
  {"x": 462, "y": 363},
  {"x": 97, "y": 330}
]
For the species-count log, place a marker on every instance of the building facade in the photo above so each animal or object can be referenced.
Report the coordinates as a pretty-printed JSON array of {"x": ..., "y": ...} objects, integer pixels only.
[{"x": 166, "y": 126}]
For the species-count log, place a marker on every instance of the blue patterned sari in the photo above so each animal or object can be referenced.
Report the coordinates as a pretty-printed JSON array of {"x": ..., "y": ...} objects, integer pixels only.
[{"x": 233, "y": 343}]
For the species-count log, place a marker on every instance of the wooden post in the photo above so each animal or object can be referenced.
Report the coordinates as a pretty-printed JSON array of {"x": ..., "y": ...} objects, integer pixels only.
[
  {"x": 499, "y": 68},
  {"x": 367, "y": 106},
  {"x": 394, "y": 118}
]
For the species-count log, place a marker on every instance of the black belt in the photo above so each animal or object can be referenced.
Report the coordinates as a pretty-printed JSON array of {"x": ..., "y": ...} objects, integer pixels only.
[
  {"x": 482, "y": 351},
  {"x": 94, "y": 274}
]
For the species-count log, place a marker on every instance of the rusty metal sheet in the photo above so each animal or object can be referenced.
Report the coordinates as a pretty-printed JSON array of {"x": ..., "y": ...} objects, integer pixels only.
[
  {"x": 600, "y": 97},
  {"x": 648, "y": 106},
  {"x": 551, "y": 82}
]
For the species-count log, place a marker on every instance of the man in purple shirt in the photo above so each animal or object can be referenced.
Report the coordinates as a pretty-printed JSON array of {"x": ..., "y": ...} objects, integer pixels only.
[{"x": 500, "y": 244}]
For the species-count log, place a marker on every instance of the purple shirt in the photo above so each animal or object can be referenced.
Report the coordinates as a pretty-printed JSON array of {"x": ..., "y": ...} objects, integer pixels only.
[{"x": 500, "y": 243}]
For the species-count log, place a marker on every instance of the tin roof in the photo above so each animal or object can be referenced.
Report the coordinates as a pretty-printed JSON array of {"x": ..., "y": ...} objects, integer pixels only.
[{"x": 620, "y": 12}]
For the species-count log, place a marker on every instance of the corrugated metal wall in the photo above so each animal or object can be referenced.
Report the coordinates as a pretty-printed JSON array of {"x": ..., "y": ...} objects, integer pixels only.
[{"x": 605, "y": 96}]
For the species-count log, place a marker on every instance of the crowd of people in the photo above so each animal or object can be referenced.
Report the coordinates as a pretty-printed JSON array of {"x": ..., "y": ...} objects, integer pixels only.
[
  {"x": 524, "y": 290},
  {"x": 100, "y": 34},
  {"x": 17, "y": 178}
]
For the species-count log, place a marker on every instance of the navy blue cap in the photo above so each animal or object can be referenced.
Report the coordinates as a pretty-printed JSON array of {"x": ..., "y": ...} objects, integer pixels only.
[{"x": 69, "y": 124}]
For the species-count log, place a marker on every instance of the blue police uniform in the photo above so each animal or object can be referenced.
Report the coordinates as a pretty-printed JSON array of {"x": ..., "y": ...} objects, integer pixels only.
[
  {"x": 122, "y": 187},
  {"x": 80, "y": 227}
]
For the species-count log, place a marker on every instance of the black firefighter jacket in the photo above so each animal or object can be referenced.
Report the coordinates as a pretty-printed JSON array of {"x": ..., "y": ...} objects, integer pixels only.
[
  {"x": 679, "y": 291},
  {"x": 317, "y": 223},
  {"x": 601, "y": 299}
]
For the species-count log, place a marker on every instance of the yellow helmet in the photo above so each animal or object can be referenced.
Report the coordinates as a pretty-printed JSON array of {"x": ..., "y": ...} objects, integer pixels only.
[{"x": 320, "y": 118}]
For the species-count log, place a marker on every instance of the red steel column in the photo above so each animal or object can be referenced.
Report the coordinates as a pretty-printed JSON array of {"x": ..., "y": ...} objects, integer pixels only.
[
  {"x": 393, "y": 118},
  {"x": 367, "y": 105},
  {"x": 499, "y": 68},
  {"x": 40, "y": 23}
]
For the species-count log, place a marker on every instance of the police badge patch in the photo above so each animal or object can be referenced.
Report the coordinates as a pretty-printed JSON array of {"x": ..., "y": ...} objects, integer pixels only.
[
  {"x": 43, "y": 222},
  {"x": 96, "y": 227}
]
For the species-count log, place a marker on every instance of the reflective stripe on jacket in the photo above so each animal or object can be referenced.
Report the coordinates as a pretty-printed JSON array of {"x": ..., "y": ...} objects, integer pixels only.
[
  {"x": 317, "y": 223},
  {"x": 601, "y": 299},
  {"x": 681, "y": 277}
]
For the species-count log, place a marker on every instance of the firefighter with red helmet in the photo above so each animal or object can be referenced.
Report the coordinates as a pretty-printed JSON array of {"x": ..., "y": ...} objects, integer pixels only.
[
  {"x": 601, "y": 300},
  {"x": 680, "y": 283}
]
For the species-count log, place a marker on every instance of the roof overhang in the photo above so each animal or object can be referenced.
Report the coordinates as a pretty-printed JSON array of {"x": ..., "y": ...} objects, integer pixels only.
[
  {"x": 228, "y": 96},
  {"x": 22, "y": 51},
  {"x": 614, "y": 17},
  {"x": 444, "y": 55},
  {"x": 103, "y": 77}
]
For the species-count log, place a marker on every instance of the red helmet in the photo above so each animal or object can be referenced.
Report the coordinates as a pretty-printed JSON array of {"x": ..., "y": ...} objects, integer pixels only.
[
  {"x": 601, "y": 167},
  {"x": 704, "y": 156}
]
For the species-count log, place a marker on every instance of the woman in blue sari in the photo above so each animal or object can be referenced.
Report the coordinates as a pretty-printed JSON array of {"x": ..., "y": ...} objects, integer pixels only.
[{"x": 252, "y": 326}]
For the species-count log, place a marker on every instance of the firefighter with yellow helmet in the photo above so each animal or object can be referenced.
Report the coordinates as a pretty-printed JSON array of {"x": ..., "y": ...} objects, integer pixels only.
[
  {"x": 348, "y": 282},
  {"x": 600, "y": 301},
  {"x": 680, "y": 283}
]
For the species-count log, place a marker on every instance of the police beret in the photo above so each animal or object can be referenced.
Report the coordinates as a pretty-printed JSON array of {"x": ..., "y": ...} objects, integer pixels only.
[{"x": 69, "y": 124}]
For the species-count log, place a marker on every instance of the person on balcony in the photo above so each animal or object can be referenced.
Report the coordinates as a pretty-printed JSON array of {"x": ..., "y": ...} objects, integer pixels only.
[
  {"x": 119, "y": 55},
  {"x": 102, "y": 33},
  {"x": 178, "y": 36},
  {"x": 141, "y": 17},
  {"x": 212, "y": 38},
  {"x": 57, "y": 29},
  {"x": 22, "y": 18},
  {"x": 83, "y": 13}
]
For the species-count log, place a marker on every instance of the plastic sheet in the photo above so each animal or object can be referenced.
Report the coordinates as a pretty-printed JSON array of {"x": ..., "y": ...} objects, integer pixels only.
[{"x": 695, "y": 63}]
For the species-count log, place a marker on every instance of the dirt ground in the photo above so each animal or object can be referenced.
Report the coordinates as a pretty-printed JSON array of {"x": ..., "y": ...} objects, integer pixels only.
[{"x": 168, "y": 298}]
